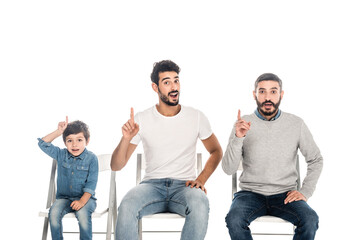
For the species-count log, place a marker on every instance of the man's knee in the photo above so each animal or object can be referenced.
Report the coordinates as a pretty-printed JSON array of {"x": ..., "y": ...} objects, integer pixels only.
[
  {"x": 311, "y": 221},
  {"x": 198, "y": 203},
  {"x": 127, "y": 208},
  {"x": 235, "y": 220}
]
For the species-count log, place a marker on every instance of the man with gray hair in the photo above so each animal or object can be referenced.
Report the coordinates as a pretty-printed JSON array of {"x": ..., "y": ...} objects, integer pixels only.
[{"x": 266, "y": 144}]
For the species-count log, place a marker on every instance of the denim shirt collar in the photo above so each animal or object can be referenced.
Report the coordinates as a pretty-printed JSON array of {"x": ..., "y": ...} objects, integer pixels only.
[
  {"x": 272, "y": 119},
  {"x": 80, "y": 157}
]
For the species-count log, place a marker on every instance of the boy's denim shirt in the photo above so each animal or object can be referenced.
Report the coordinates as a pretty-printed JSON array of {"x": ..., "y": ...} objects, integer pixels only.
[{"x": 75, "y": 175}]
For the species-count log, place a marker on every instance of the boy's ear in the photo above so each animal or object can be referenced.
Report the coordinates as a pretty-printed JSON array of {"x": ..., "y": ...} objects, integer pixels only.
[{"x": 87, "y": 141}]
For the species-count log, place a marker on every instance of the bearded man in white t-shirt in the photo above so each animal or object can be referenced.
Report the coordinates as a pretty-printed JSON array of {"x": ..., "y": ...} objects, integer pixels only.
[{"x": 169, "y": 133}]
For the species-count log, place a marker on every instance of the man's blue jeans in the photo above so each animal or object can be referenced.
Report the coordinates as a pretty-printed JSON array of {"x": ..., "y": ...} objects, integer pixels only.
[
  {"x": 62, "y": 207},
  {"x": 247, "y": 206},
  {"x": 163, "y": 195}
]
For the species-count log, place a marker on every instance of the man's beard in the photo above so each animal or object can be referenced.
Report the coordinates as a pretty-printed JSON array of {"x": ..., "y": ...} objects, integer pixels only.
[
  {"x": 266, "y": 113},
  {"x": 166, "y": 99}
]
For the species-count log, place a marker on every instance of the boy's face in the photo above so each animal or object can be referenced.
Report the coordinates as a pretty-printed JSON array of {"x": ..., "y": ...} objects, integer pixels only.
[{"x": 76, "y": 143}]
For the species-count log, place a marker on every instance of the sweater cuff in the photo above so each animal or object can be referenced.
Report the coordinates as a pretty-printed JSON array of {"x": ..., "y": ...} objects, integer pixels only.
[
  {"x": 307, "y": 194},
  {"x": 238, "y": 140}
]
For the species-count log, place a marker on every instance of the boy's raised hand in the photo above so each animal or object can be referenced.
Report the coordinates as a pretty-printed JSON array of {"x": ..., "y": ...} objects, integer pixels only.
[
  {"x": 62, "y": 125},
  {"x": 60, "y": 130},
  {"x": 130, "y": 128},
  {"x": 242, "y": 127}
]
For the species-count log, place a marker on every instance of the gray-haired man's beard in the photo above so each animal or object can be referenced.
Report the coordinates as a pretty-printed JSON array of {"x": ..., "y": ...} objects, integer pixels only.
[{"x": 268, "y": 113}]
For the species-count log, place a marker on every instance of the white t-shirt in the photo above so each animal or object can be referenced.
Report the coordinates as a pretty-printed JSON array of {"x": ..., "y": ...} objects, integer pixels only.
[{"x": 170, "y": 142}]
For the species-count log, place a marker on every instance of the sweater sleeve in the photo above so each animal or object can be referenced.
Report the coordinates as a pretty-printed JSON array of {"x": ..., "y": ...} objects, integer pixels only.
[
  {"x": 314, "y": 161},
  {"x": 233, "y": 156}
]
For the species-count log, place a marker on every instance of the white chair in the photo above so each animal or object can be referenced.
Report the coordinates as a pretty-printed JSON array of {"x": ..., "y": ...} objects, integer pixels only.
[
  {"x": 268, "y": 219},
  {"x": 104, "y": 165},
  {"x": 140, "y": 167}
]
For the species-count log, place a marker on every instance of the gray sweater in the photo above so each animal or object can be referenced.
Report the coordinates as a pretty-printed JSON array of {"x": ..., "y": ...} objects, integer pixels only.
[{"x": 268, "y": 155}]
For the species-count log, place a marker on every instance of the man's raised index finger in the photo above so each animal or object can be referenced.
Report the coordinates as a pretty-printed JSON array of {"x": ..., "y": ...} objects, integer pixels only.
[{"x": 239, "y": 115}]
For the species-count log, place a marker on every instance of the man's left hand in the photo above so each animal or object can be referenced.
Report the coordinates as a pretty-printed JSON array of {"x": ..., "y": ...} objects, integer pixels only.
[
  {"x": 196, "y": 183},
  {"x": 293, "y": 196}
]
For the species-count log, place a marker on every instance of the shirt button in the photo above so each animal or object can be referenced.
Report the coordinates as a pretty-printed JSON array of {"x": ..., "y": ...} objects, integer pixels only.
[
  {"x": 72, "y": 173},
  {"x": 70, "y": 187}
]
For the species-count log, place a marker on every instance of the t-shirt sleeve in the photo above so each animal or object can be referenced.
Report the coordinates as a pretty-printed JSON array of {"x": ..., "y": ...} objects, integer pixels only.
[
  {"x": 204, "y": 127},
  {"x": 137, "y": 138}
]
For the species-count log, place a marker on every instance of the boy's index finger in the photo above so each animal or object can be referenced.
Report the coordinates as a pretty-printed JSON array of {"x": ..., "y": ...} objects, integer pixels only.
[
  {"x": 67, "y": 119},
  {"x": 239, "y": 115},
  {"x": 132, "y": 114}
]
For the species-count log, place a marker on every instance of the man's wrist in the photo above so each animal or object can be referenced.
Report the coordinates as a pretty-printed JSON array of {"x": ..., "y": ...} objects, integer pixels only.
[{"x": 239, "y": 136}]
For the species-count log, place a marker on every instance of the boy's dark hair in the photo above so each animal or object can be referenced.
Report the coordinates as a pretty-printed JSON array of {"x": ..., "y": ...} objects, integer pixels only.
[
  {"x": 75, "y": 128},
  {"x": 163, "y": 66},
  {"x": 268, "y": 77}
]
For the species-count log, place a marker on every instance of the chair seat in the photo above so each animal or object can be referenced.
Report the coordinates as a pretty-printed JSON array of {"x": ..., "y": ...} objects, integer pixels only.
[
  {"x": 96, "y": 214},
  {"x": 271, "y": 219},
  {"x": 164, "y": 215}
]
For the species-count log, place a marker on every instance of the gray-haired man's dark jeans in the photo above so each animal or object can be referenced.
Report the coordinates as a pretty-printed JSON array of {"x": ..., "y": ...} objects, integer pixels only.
[{"x": 247, "y": 206}]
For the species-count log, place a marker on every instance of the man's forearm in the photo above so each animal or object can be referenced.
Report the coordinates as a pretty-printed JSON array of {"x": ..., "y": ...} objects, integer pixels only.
[
  {"x": 210, "y": 166},
  {"x": 233, "y": 154},
  {"x": 121, "y": 154}
]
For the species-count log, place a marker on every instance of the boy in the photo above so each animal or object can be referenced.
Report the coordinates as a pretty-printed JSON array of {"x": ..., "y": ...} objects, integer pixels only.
[{"x": 77, "y": 177}]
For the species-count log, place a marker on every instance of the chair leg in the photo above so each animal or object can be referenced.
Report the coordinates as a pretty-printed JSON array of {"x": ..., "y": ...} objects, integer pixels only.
[
  {"x": 114, "y": 212},
  {"x": 140, "y": 229},
  {"x": 109, "y": 226},
  {"x": 114, "y": 215},
  {"x": 45, "y": 229}
]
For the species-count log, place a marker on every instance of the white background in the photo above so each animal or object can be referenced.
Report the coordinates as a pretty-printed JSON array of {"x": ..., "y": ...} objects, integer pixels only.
[{"x": 92, "y": 61}]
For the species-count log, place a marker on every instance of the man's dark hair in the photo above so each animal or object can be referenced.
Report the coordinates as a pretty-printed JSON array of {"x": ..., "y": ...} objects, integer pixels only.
[
  {"x": 75, "y": 128},
  {"x": 268, "y": 77},
  {"x": 163, "y": 66}
]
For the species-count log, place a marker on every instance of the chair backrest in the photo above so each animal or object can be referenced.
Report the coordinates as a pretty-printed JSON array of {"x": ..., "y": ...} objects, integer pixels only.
[
  {"x": 104, "y": 161},
  {"x": 235, "y": 178},
  {"x": 141, "y": 166}
]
